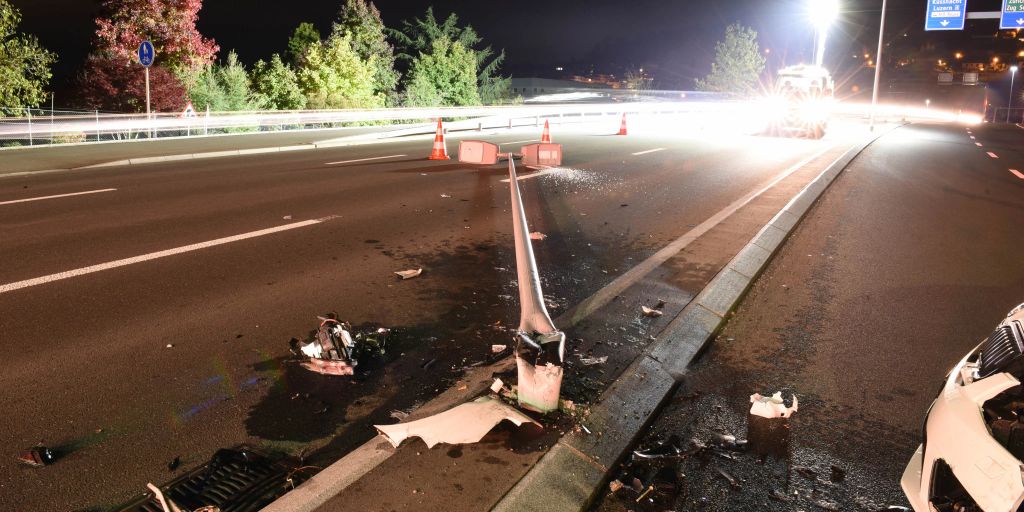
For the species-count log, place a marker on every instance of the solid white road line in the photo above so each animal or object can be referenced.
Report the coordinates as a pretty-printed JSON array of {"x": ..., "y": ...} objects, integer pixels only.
[
  {"x": 4, "y": 288},
  {"x": 519, "y": 142},
  {"x": 364, "y": 160},
  {"x": 993, "y": 155},
  {"x": 59, "y": 195},
  {"x": 620, "y": 284},
  {"x": 537, "y": 174},
  {"x": 1017, "y": 173},
  {"x": 649, "y": 151}
]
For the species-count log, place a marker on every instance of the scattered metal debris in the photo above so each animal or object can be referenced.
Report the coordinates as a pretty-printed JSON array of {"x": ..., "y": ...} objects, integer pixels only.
[
  {"x": 666, "y": 449},
  {"x": 537, "y": 235},
  {"x": 729, "y": 442},
  {"x": 409, "y": 274},
  {"x": 464, "y": 424},
  {"x": 37, "y": 457},
  {"x": 733, "y": 481},
  {"x": 497, "y": 349},
  {"x": 497, "y": 385},
  {"x": 651, "y": 313},
  {"x": 615, "y": 485},
  {"x": 591, "y": 361}
]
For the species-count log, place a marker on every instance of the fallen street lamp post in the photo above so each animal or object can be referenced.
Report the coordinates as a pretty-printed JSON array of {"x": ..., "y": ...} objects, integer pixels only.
[{"x": 540, "y": 346}]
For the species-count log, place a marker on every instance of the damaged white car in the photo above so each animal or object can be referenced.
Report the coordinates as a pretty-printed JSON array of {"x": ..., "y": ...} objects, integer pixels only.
[{"x": 971, "y": 456}]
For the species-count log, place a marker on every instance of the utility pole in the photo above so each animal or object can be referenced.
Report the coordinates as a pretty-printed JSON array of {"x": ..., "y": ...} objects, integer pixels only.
[{"x": 878, "y": 66}]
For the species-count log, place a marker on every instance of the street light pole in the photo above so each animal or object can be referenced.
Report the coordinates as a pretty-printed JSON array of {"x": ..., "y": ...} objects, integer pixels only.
[
  {"x": 878, "y": 66},
  {"x": 1009, "y": 106}
]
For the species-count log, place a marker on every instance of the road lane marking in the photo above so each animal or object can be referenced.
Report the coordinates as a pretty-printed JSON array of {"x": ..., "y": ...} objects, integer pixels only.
[
  {"x": 993, "y": 155},
  {"x": 4, "y": 288},
  {"x": 59, "y": 195},
  {"x": 519, "y": 142},
  {"x": 649, "y": 151},
  {"x": 623, "y": 282},
  {"x": 364, "y": 160},
  {"x": 977, "y": 144},
  {"x": 973, "y": 138},
  {"x": 1017, "y": 173},
  {"x": 537, "y": 174}
]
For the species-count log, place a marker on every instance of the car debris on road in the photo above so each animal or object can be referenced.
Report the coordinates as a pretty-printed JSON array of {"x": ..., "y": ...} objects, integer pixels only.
[
  {"x": 38, "y": 456},
  {"x": 409, "y": 274},
  {"x": 335, "y": 350},
  {"x": 464, "y": 424}
]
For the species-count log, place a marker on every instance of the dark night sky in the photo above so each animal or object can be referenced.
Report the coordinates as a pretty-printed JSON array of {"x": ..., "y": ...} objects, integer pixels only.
[{"x": 676, "y": 36}]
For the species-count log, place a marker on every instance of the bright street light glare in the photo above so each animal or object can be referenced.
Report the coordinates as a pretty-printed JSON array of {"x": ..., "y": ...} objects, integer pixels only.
[
  {"x": 823, "y": 12},
  {"x": 1013, "y": 69}
]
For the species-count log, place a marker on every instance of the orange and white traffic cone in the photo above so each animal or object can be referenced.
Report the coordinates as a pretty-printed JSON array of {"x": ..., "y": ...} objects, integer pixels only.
[
  {"x": 440, "y": 152},
  {"x": 545, "y": 138},
  {"x": 622, "y": 129}
]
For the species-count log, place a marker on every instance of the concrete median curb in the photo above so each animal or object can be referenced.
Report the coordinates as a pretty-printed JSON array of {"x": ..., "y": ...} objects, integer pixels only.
[{"x": 570, "y": 476}]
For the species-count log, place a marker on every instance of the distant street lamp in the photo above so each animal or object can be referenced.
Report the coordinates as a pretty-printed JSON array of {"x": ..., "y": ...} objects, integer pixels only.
[
  {"x": 928, "y": 103},
  {"x": 822, "y": 14},
  {"x": 878, "y": 67},
  {"x": 1013, "y": 74}
]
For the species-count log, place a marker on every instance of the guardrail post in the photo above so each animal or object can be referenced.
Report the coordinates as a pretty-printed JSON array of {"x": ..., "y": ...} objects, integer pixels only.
[
  {"x": 97, "y": 112},
  {"x": 29, "y": 126},
  {"x": 206, "y": 121}
]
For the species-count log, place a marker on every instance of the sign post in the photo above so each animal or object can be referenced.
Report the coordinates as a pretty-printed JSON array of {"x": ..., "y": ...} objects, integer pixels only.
[
  {"x": 1012, "y": 17},
  {"x": 946, "y": 14},
  {"x": 146, "y": 55}
]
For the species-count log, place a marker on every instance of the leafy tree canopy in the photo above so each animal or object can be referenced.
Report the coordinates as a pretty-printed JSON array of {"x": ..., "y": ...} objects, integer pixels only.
[
  {"x": 24, "y": 64},
  {"x": 169, "y": 24},
  {"x": 278, "y": 84},
  {"x": 305, "y": 35},
  {"x": 444, "y": 77},
  {"x": 334, "y": 77},
  {"x": 360, "y": 21},
  {"x": 738, "y": 63}
]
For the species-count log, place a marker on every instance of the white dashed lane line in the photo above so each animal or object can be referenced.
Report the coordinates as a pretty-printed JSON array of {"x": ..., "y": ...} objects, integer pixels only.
[{"x": 58, "y": 195}]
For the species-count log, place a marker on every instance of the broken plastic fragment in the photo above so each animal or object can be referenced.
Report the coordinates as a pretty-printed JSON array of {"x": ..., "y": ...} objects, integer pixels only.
[
  {"x": 652, "y": 313},
  {"x": 497, "y": 385},
  {"x": 38, "y": 457},
  {"x": 615, "y": 485},
  {"x": 591, "y": 361},
  {"x": 537, "y": 235},
  {"x": 771, "y": 407},
  {"x": 497, "y": 349},
  {"x": 409, "y": 274},
  {"x": 467, "y": 423}
]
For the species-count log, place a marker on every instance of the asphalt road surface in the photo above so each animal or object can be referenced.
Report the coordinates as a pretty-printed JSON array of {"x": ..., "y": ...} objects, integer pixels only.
[
  {"x": 147, "y": 318},
  {"x": 908, "y": 262}
]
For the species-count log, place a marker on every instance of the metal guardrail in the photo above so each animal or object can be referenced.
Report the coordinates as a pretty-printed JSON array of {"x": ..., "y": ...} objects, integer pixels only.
[{"x": 47, "y": 127}]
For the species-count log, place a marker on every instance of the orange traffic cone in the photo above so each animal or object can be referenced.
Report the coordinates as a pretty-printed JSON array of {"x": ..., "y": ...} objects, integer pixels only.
[
  {"x": 545, "y": 138},
  {"x": 622, "y": 130},
  {"x": 440, "y": 152}
]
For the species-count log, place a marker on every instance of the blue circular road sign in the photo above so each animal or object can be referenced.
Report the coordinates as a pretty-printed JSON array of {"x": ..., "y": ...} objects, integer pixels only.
[{"x": 146, "y": 53}]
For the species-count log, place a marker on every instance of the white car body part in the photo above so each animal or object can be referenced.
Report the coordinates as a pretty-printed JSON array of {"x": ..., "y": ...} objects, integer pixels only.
[{"x": 958, "y": 437}]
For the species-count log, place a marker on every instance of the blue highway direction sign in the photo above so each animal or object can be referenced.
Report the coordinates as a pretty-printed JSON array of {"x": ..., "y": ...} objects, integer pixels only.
[
  {"x": 947, "y": 14},
  {"x": 1013, "y": 15},
  {"x": 146, "y": 53}
]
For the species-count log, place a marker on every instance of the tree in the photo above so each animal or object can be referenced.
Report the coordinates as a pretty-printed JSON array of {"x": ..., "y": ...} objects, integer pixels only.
[
  {"x": 304, "y": 36},
  {"x": 738, "y": 63},
  {"x": 169, "y": 24},
  {"x": 225, "y": 87},
  {"x": 444, "y": 77},
  {"x": 113, "y": 84},
  {"x": 333, "y": 76},
  {"x": 24, "y": 64},
  {"x": 278, "y": 84},
  {"x": 361, "y": 22},
  {"x": 417, "y": 36}
]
